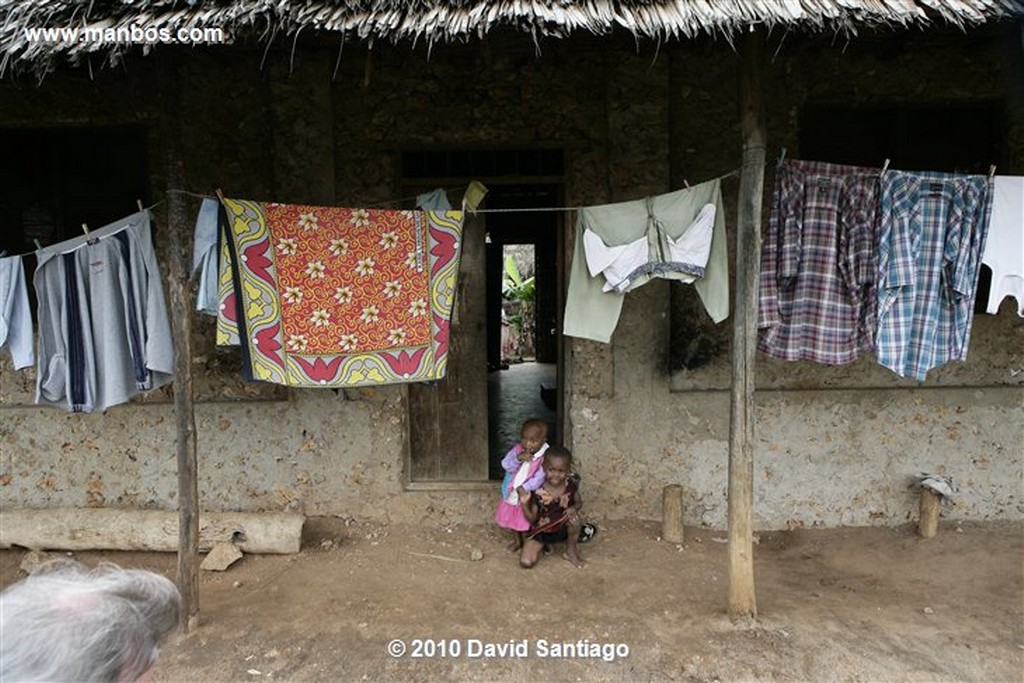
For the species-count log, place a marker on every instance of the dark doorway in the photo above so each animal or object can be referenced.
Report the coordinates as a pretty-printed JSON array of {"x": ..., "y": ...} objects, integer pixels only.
[
  {"x": 522, "y": 321},
  {"x": 461, "y": 427}
]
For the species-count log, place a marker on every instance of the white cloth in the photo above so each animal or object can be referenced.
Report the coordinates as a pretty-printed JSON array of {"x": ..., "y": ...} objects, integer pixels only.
[
  {"x": 15, "y": 314},
  {"x": 620, "y": 264},
  {"x": 204, "y": 256},
  {"x": 522, "y": 474},
  {"x": 937, "y": 483},
  {"x": 1004, "y": 247}
]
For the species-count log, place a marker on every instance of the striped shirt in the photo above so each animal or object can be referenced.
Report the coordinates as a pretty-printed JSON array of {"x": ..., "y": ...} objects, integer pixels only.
[
  {"x": 931, "y": 236},
  {"x": 819, "y": 262}
]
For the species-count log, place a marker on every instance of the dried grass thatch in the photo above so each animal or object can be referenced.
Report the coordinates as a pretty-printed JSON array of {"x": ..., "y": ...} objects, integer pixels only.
[{"x": 433, "y": 21}]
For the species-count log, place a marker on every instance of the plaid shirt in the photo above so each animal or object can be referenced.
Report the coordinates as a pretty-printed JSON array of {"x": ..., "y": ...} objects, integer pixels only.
[
  {"x": 932, "y": 232},
  {"x": 818, "y": 266}
]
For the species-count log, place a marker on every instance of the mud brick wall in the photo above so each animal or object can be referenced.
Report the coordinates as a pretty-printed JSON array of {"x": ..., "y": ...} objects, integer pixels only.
[{"x": 835, "y": 446}]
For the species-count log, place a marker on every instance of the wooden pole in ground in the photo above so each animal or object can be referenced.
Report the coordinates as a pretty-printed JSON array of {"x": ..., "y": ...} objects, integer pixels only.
[
  {"x": 928, "y": 525},
  {"x": 179, "y": 295},
  {"x": 672, "y": 513},
  {"x": 742, "y": 599}
]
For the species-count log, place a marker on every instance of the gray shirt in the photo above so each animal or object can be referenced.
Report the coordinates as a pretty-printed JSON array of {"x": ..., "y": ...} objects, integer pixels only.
[{"x": 103, "y": 329}]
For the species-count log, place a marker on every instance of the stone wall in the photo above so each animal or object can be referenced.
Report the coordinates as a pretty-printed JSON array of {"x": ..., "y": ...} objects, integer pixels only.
[{"x": 834, "y": 445}]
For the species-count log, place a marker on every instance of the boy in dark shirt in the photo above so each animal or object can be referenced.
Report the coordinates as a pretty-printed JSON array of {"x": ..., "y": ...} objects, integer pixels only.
[{"x": 553, "y": 510}]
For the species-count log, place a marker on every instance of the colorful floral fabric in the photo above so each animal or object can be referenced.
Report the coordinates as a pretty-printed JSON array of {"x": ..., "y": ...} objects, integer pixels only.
[{"x": 333, "y": 297}]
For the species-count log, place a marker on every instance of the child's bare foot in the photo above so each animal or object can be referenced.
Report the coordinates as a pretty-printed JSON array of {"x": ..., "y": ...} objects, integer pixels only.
[
  {"x": 576, "y": 560},
  {"x": 548, "y": 549}
]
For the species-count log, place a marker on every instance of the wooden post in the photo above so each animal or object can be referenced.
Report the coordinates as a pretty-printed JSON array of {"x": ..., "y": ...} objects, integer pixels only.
[
  {"x": 928, "y": 525},
  {"x": 672, "y": 513},
  {"x": 179, "y": 294},
  {"x": 742, "y": 599}
]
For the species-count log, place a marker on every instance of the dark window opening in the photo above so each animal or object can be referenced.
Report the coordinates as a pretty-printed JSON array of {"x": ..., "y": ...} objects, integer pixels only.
[
  {"x": 55, "y": 179},
  {"x": 482, "y": 163},
  {"x": 58, "y": 178},
  {"x": 953, "y": 138}
]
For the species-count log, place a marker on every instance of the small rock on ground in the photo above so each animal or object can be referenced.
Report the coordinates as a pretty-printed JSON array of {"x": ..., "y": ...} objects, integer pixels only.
[{"x": 220, "y": 557}]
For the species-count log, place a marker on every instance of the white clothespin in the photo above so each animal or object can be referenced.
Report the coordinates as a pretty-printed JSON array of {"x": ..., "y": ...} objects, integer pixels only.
[
  {"x": 85, "y": 229},
  {"x": 885, "y": 167}
]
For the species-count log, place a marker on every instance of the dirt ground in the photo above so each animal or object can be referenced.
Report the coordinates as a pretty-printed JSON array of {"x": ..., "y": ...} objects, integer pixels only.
[{"x": 860, "y": 604}]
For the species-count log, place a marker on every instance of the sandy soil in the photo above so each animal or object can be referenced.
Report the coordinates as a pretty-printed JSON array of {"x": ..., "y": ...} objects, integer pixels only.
[{"x": 834, "y": 605}]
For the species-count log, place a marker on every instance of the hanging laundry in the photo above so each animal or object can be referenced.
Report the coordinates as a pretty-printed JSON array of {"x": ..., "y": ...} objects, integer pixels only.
[
  {"x": 15, "y": 314},
  {"x": 474, "y": 194},
  {"x": 627, "y": 266},
  {"x": 819, "y": 264},
  {"x": 227, "y": 303},
  {"x": 103, "y": 329},
  {"x": 619, "y": 247},
  {"x": 436, "y": 200},
  {"x": 931, "y": 235},
  {"x": 332, "y": 297},
  {"x": 205, "y": 256},
  {"x": 1004, "y": 247}
]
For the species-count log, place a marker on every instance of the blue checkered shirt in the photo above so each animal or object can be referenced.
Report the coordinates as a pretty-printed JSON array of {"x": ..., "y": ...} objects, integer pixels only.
[{"x": 932, "y": 229}]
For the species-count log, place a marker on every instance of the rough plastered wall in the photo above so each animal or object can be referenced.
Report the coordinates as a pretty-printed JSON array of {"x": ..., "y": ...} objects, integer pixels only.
[{"x": 833, "y": 446}]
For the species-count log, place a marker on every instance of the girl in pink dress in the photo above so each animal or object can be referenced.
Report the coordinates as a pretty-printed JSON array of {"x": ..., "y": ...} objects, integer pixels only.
[{"x": 523, "y": 475}]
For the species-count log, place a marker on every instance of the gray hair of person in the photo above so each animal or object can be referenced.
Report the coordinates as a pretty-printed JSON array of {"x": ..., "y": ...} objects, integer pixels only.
[{"x": 68, "y": 623}]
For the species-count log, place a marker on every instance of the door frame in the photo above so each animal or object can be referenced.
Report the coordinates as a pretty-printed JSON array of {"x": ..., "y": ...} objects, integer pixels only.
[{"x": 409, "y": 188}]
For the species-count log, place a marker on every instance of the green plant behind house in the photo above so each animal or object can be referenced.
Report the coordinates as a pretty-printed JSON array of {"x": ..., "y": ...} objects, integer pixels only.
[{"x": 520, "y": 292}]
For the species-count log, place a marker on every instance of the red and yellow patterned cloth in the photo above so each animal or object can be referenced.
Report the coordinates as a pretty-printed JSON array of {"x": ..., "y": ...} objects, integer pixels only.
[{"x": 332, "y": 297}]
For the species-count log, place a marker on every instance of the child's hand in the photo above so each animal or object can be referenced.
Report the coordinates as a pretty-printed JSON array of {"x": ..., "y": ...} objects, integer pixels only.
[
  {"x": 522, "y": 492},
  {"x": 544, "y": 496},
  {"x": 524, "y": 455},
  {"x": 564, "y": 500},
  {"x": 524, "y": 497}
]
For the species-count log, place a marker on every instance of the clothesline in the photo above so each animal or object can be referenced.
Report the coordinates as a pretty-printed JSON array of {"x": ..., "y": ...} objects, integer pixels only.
[
  {"x": 546, "y": 209},
  {"x": 85, "y": 228},
  {"x": 533, "y": 209},
  {"x": 188, "y": 193}
]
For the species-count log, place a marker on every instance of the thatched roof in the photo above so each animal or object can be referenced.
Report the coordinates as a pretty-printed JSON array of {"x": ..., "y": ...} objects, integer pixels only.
[{"x": 433, "y": 21}]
